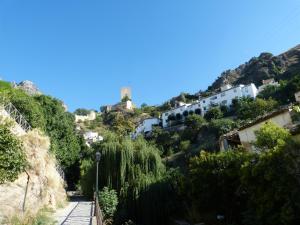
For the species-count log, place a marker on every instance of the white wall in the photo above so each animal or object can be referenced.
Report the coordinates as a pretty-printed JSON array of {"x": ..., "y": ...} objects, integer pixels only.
[
  {"x": 89, "y": 117},
  {"x": 145, "y": 126},
  {"x": 175, "y": 111},
  {"x": 226, "y": 97}
]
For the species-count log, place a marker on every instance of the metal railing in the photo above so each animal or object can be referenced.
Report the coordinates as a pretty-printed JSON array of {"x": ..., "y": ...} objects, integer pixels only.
[
  {"x": 15, "y": 114},
  {"x": 98, "y": 212}
]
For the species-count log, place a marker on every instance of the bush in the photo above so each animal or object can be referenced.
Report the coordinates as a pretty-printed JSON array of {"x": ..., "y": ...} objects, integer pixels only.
[
  {"x": 12, "y": 157},
  {"x": 29, "y": 108},
  {"x": 214, "y": 184},
  {"x": 248, "y": 108},
  {"x": 213, "y": 113},
  {"x": 271, "y": 185},
  {"x": 82, "y": 112},
  {"x": 108, "y": 201},
  {"x": 270, "y": 136}
]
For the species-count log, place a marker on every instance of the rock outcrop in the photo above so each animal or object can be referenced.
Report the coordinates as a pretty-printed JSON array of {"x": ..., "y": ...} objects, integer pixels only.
[
  {"x": 261, "y": 68},
  {"x": 29, "y": 87}
]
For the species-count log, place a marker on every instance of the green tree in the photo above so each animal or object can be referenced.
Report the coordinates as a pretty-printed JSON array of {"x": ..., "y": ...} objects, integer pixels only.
[
  {"x": 246, "y": 106},
  {"x": 221, "y": 126},
  {"x": 213, "y": 113},
  {"x": 194, "y": 124},
  {"x": 270, "y": 136},
  {"x": 213, "y": 185},
  {"x": 271, "y": 186},
  {"x": 82, "y": 112},
  {"x": 12, "y": 156},
  {"x": 126, "y": 98}
]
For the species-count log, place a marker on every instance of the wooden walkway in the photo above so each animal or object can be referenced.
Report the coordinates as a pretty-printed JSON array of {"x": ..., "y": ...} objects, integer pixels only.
[{"x": 78, "y": 212}]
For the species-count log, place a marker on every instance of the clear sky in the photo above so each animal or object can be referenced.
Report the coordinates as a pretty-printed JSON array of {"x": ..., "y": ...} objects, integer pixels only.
[{"x": 84, "y": 51}]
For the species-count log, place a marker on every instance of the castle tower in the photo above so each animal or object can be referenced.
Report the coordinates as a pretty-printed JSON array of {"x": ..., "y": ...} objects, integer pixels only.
[{"x": 125, "y": 91}]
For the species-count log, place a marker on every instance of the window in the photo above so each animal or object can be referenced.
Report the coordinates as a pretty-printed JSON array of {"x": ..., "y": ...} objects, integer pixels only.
[
  {"x": 223, "y": 94},
  {"x": 214, "y": 97},
  {"x": 224, "y": 102},
  {"x": 203, "y": 101},
  {"x": 234, "y": 90},
  {"x": 204, "y": 108}
]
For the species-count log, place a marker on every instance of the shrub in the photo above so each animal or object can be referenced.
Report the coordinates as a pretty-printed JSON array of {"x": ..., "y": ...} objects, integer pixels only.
[
  {"x": 12, "y": 157},
  {"x": 214, "y": 183},
  {"x": 213, "y": 113},
  {"x": 248, "y": 108},
  {"x": 271, "y": 135},
  {"x": 108, "y": 201},
  {"x": 82, "y": 112}
]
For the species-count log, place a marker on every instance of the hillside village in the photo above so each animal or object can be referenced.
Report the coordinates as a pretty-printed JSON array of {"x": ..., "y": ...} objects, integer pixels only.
[{"x": 184, "y": 150}]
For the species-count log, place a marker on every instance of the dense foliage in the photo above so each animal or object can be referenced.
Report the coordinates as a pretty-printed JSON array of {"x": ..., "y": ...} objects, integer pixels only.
[
  {"x": 48, "y": 114},
  {"x": 135, "y": 170},
  {"x": 247, "y": 188},
  {"x": 12, "y": 157},
  {"x": 284, "y": 93},
  {"x": 61, "y": 129},
  {"x": 82, "y": 112},
  {"x": 248, "y": 108}
]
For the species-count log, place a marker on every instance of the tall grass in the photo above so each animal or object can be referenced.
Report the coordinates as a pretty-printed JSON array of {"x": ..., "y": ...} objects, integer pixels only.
[{"x": 43, "y": 217}]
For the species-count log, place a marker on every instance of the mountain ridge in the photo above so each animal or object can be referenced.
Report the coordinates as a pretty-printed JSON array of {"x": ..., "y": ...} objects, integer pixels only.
[{"x": 265, "y": 66}]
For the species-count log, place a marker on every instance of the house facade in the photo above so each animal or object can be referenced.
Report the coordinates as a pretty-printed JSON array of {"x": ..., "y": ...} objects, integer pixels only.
[
  {"x": 165, "y": 117},
  {"x": 145, "y": 127},
  {"x": 282, "y": 118},
  {"x": 91, "y": 137},
  {"x": 245, "y": 135},
  {"x": 226, "y": 96}
]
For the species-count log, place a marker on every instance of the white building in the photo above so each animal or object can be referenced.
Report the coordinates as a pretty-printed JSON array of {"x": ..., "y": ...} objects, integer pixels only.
[
  {"x": 91, "y": 116},
  {"x": 201, "y": 106},
  {"x": 172, "y": 113},
  {"x": 145, "y": 127},
  {"x": 226, "y": 96},
  {"x": 121, "y": 106},
  {"x": 92, "y": 137}
]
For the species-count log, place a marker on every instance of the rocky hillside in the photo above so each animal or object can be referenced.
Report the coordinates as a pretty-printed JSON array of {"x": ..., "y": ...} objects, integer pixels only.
[
  {"x": 45, "y": 186},
  {"x": 29, "y": 87},
  {"x": 263, "y": 67}
]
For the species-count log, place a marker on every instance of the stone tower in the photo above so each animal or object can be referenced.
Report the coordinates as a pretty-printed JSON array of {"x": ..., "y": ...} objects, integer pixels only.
[{"x": 126, "y": 91}]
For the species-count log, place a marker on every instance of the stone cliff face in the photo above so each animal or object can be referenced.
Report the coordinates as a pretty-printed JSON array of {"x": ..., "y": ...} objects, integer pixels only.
[
  {"x": 260, "y": 68},
  {"x": 29, "y": 87},
  {"x": 45, "y": 186}
]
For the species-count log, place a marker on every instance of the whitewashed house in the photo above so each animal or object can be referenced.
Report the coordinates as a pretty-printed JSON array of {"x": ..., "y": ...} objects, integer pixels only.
[
  {"x": 226, "y": 96},
  {"x": 145, "y": 127},
  {"x": 182, "y": 107},
  {"x": 91, "y": 137}
]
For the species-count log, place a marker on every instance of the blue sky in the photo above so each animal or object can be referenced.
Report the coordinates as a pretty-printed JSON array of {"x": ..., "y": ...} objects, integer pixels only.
[{"x": 83, "y": 52}]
